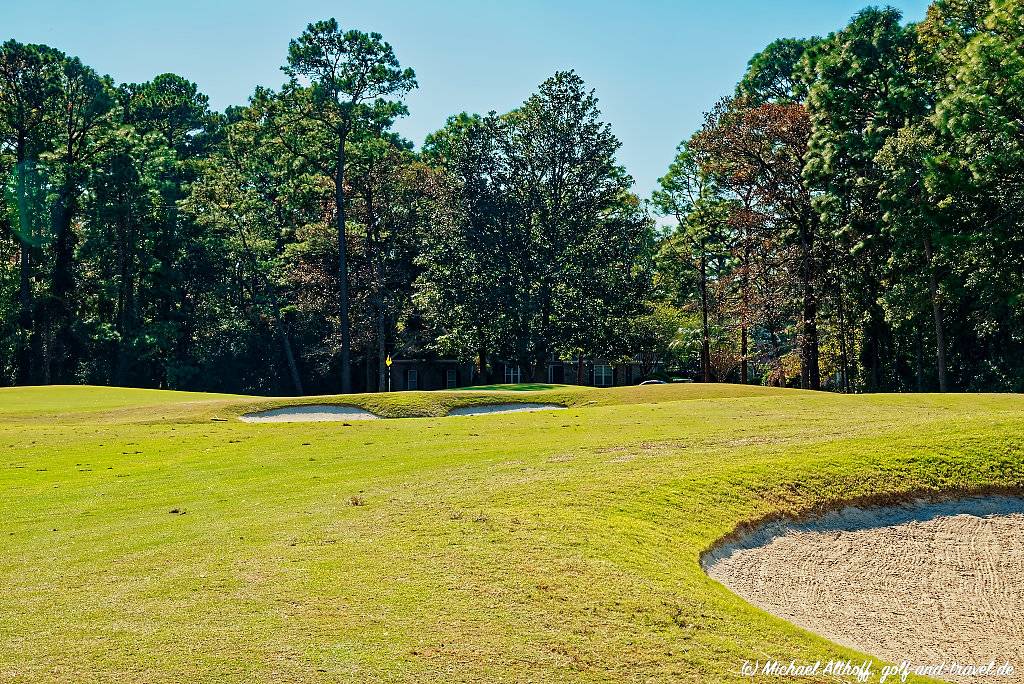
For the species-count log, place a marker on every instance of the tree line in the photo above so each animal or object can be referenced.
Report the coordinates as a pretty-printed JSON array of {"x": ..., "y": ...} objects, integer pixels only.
[
  {"x": 291, "y": 244},
  {"x": 848, "y": 219},
  {"x": 851, "y": 217}
]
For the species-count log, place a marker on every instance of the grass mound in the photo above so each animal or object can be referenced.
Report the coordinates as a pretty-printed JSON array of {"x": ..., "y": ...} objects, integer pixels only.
[{"x": 151, "y": 536}]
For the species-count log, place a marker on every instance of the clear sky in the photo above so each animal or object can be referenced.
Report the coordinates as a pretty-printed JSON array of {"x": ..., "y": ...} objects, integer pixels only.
[{"x": 656, "y": 64}]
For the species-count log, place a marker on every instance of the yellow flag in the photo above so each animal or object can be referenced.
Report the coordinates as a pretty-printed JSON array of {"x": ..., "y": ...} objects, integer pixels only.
[{"x": 388, "y": 361}]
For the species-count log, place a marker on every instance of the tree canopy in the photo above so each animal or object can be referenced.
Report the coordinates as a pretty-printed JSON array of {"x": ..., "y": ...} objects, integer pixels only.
[{"x": 847, "y": 219}]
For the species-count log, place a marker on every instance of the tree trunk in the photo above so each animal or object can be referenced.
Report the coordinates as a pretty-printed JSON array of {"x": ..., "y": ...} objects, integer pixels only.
[
  {"x": 119, "y": 360},
  {"x": 381, "y": 353},
  {"x": 339, "y": 206},
  {"x": 45, "y": 348},
  {"x": 286, "y": 347},
  {"x": 62, "y": 343},
  {"x": 843, "y": 350},
  {"x": 810, "y": 373},
  {"x": 873, "y": 343},
  {"x": 940, "y": 333},
  {"x": 780, "y": 378},
  {"x": 743, "y": 355},
  {"x": 24, "y": 374},
  {"x": 163, "y": 252},
  {"x": 481, "y": 355},
  {"x": 183, "y": 341},
  {"x": 369, "y": 375},
  {"x": 705, "y": 347},
  {"x": 809, "y": 342},
  {"x": 919, "y": 362},
  {"x": 539, "y": 374},
  {"x": 745, "y": 304}
]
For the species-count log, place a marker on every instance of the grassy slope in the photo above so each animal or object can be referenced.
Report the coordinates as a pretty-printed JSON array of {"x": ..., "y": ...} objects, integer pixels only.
[{"x": 556, "y": 546}]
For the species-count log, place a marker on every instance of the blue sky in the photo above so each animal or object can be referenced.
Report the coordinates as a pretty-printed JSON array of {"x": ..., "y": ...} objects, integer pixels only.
[{"x": 656, "y": 64}]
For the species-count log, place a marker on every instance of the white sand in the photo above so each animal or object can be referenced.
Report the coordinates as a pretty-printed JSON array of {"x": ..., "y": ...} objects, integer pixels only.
[
  {"x": 502, "y": 408},
  {"x": 313, "y": 413},
  {"x": 925, "y": 583}
]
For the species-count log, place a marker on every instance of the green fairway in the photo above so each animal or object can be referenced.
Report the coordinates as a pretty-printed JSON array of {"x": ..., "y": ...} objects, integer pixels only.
[{"x": 154, "y": 537}]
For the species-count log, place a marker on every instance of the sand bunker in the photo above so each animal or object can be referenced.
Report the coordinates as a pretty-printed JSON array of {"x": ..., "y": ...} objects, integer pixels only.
[
  {"x": 313, "y": 413},
  {"x": 502, "y": 408},
  {"x": 925, "y": 583}
]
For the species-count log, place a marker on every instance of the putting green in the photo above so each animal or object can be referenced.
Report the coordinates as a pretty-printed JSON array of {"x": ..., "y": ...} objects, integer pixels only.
[{"x": 153, "y": 537}]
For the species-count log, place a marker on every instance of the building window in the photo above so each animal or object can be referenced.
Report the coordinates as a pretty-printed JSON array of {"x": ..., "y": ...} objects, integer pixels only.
[
  {"x": 412, "y": 379},
  {"x": 603, "y": 375},
  {"x": 513, "y": 375},
  {"x": 451, "y": 378}
]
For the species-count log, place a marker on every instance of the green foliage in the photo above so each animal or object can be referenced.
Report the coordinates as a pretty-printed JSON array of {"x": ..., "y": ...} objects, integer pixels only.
[
  {"x": 538, "y": 248},
  {"x": 855, "y": 207},
  {"x": 27, "y": 196},
  {"x": 875, "y": 208},
  {"x": 865, "y": 91},
  {"x": 352, "y": 75},
  {"x": 776, "y": 74},
  {"x": 341, "y": 84},
  {"x": 975, "y": 175}
]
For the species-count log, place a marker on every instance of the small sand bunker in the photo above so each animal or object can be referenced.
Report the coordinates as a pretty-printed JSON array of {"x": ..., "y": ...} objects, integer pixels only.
[
  {"x": 502, "y": 408},
  {"x": 926, "y": 583},
  {"x": 313, "y": 413}
]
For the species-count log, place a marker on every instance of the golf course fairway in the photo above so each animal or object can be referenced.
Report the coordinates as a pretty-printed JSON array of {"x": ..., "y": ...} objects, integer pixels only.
[{"x": 154, "y": 536}]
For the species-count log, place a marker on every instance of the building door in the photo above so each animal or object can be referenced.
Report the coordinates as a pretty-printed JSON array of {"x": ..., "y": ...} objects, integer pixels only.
[
  {"x": 603, "y": 375},
  {"x": 513, "y": 375},
  {"x": 556, "y": 374}
]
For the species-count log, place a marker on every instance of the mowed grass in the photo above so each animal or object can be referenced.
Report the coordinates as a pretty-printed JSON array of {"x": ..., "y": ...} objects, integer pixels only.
[{"x": 153, "y": 537}]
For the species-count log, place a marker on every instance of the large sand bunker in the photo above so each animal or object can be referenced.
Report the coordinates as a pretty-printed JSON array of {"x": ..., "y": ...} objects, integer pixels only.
[
  {"x": 926, "y": 583},
  {"x": 502, "y": 408},
  {"x": 313, "y": 413}
]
